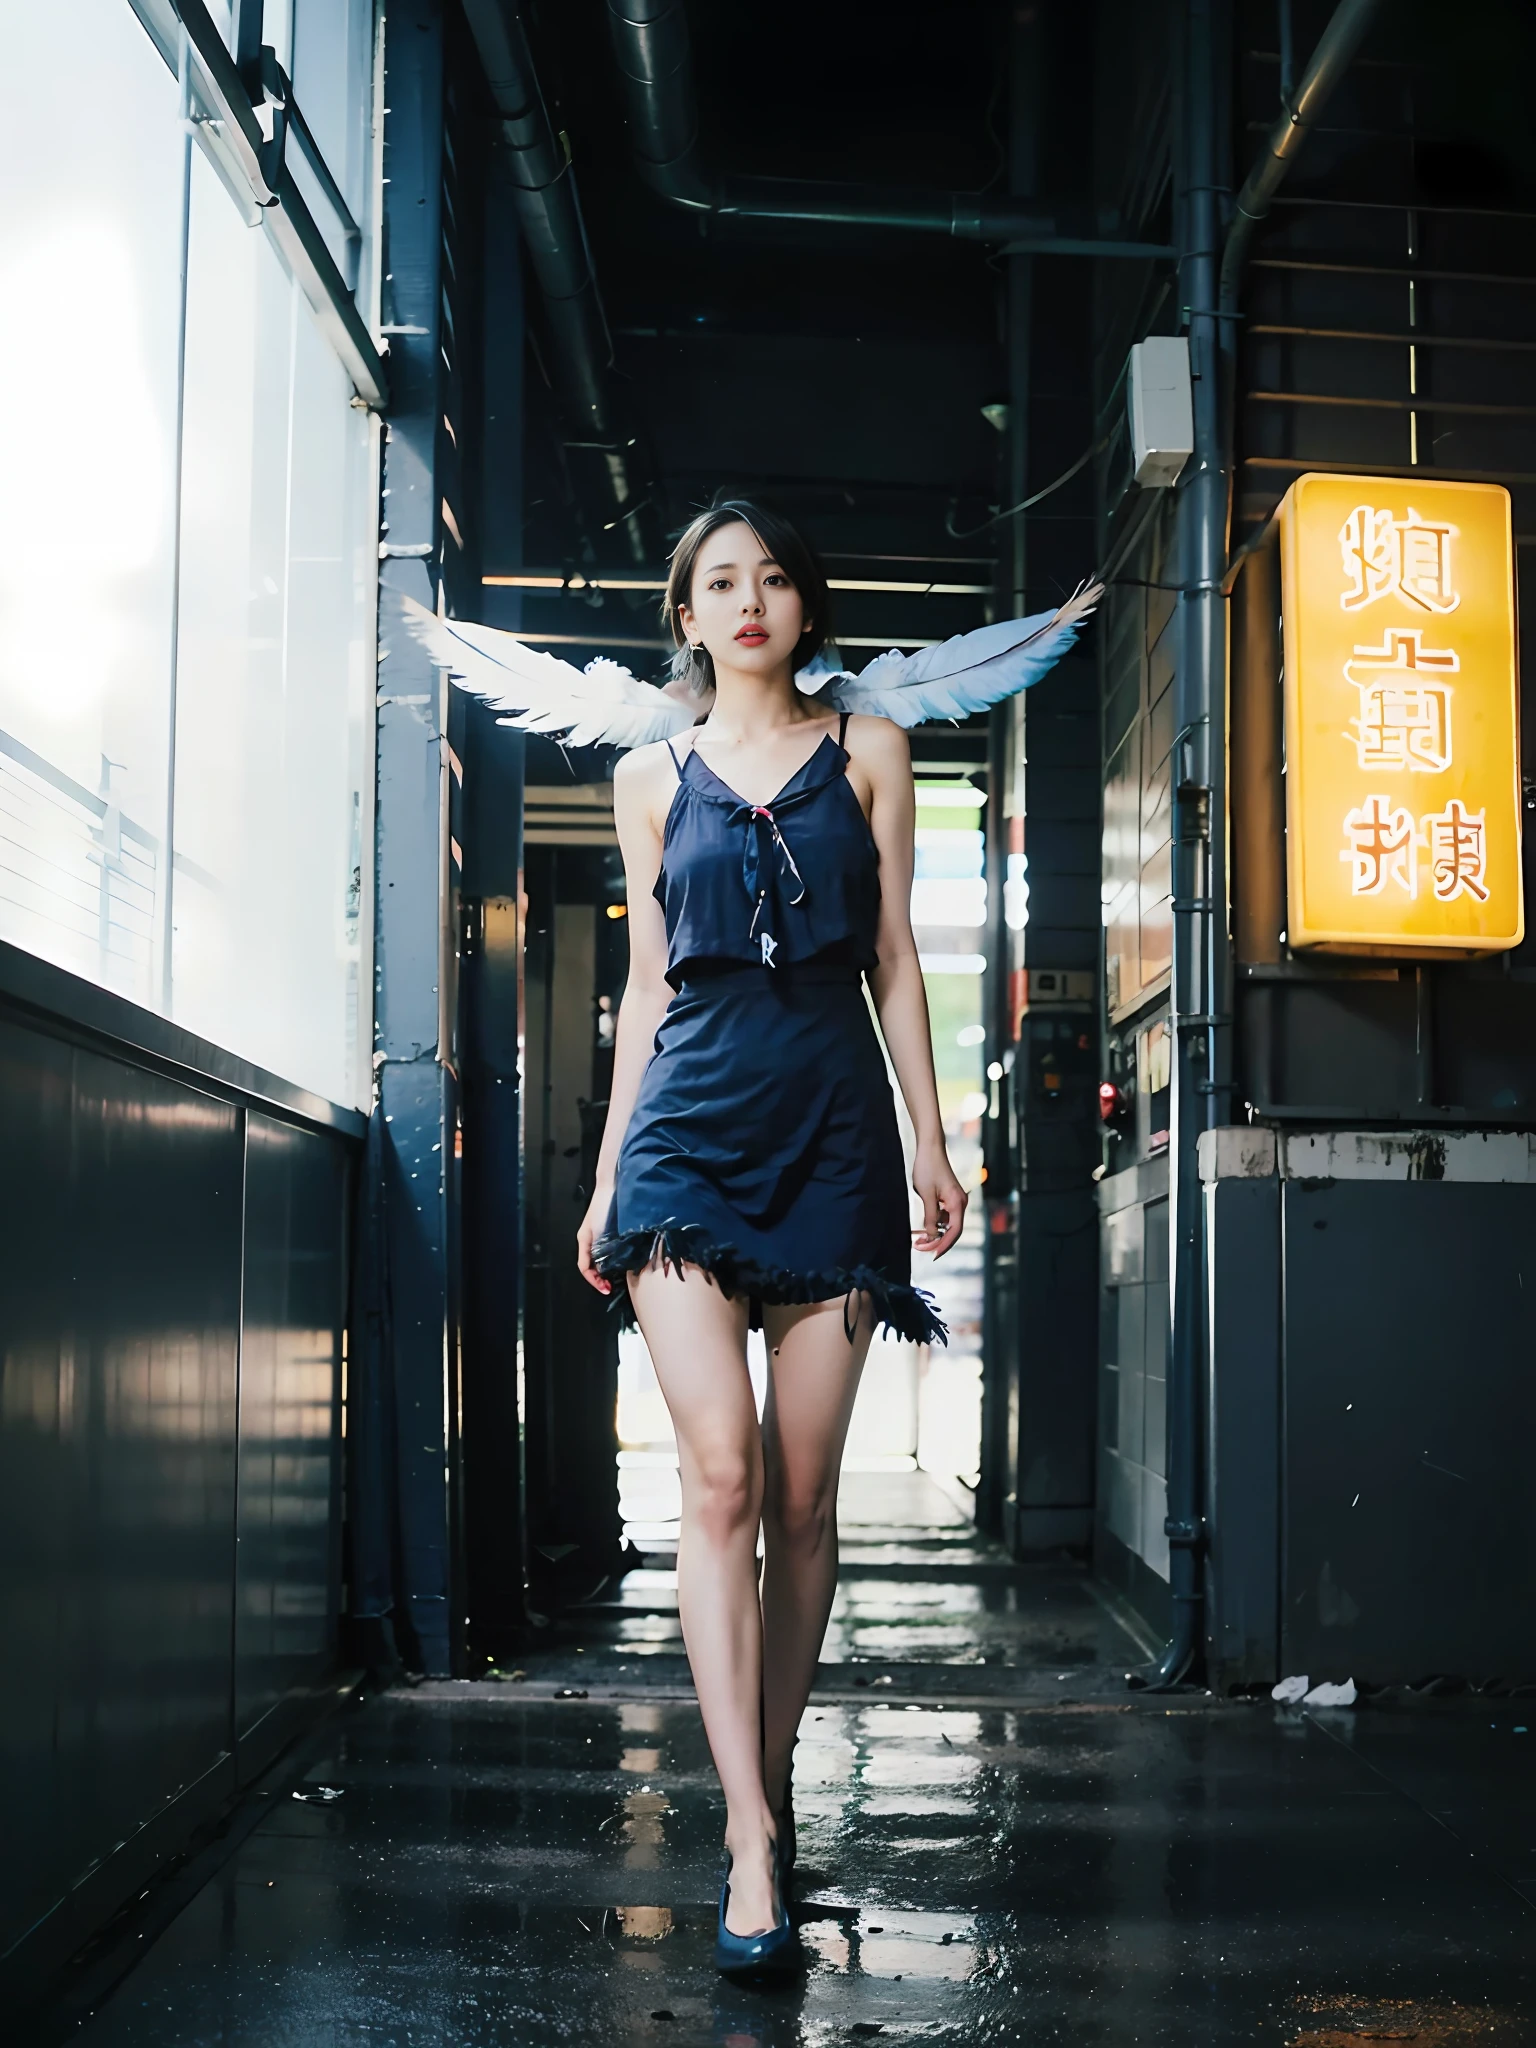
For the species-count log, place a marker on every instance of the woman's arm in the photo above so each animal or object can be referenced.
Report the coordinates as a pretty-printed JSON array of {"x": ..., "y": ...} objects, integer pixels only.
[
  {"x": 637, "y": 788},
  {"x": 880, "y": 749}
]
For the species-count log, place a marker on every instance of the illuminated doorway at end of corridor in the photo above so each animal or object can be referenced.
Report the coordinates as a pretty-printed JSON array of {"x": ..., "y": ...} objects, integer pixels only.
[{"x": 914, "y": 1446}]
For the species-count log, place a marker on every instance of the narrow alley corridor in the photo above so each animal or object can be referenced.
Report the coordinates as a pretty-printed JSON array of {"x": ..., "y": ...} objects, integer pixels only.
[
  {"x": 1000, "y": 1843},
  {"x": 647, "y": 641}
]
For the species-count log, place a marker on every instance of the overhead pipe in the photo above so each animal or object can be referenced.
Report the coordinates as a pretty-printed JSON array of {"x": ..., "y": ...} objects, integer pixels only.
[
  {"x": 655, "y": 57},
  {"x": 1299, "y": 115},
  {"x": 1335, "y": 51},
  {"x": 1201, "y": 967},
  {"x": 555, "y": 236}
]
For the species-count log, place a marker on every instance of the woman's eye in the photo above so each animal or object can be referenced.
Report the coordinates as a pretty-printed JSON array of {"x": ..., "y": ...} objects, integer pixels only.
[{"x": 720, "y": 583}]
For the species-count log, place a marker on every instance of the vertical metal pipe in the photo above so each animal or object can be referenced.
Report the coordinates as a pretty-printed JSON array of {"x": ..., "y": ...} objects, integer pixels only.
[
  {"x": 1198, "y": 850},
  {"x": 1210, "y": 267}
]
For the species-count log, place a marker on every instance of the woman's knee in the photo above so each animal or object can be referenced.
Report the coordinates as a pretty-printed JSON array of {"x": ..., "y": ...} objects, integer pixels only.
[
  {"x": 723, "y": 1493},
  {"x": 801, "y": 1513}
]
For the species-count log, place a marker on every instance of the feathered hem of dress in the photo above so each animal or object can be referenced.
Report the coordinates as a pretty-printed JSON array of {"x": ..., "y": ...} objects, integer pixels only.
[{"x": 907, "y": 1311}]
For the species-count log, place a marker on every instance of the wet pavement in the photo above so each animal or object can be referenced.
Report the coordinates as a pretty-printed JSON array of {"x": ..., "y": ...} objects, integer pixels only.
[{"x": 999, "y": 1844}]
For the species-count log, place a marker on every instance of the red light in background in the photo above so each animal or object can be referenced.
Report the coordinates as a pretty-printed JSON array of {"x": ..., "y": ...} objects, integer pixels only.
[{"x": 1111, "y": 1101}]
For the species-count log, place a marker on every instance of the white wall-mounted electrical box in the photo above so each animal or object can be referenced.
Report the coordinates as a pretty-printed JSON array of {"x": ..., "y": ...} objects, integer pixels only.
[{"x": 1162, "y": 416}]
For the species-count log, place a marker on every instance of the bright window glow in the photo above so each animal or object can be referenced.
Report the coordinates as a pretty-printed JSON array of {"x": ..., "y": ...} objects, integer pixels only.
[
  {"x": 90, "y": 257},
  {"x": 950, "y": 796},
  {"x": 271, "y": 651},
  {"x": 952, "y": 963},
  {"x": 945, "y": 854},
  {"x": 275, "y": 641},
  {"x": 1016, "y": 893},
  {"x": 958, "y": 903}
]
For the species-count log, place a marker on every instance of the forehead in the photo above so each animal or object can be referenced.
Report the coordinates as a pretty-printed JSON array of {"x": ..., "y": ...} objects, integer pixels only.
[{"x": 731, "y": 547}]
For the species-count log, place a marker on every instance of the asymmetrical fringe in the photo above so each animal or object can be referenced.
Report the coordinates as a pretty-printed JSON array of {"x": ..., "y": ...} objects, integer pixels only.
[{"x": 907, "y": 1311}]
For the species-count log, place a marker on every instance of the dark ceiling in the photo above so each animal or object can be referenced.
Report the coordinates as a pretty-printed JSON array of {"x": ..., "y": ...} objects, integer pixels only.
[{"x": 840, "y": 371}]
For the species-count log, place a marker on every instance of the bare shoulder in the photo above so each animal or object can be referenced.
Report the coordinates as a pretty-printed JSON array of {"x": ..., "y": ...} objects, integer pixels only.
[
  {"x": 643, "y": 781},
  {"x": 639, "y": 767},
  {"x": 880, "y": 746}
]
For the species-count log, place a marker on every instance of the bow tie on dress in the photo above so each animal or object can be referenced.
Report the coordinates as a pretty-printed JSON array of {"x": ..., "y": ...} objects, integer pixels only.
[{"x": 765, "y": 861}]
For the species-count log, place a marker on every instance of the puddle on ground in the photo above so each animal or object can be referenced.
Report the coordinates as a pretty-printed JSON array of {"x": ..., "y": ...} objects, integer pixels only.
[
  {"x": 1351, "y": 2020},
  {"x": 871, "y": 1942}
]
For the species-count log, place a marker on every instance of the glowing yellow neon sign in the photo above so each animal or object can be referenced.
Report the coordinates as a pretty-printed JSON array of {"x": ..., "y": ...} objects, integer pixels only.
[{"x": 1401, "y": 715}]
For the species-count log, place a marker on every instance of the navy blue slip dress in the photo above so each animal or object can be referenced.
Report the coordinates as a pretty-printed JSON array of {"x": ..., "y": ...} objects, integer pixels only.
[{"x": 763, "y": 1145}]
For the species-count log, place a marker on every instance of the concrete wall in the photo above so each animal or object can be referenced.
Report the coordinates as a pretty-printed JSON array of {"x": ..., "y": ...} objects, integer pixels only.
[{"x": 1371, "y": 1404}]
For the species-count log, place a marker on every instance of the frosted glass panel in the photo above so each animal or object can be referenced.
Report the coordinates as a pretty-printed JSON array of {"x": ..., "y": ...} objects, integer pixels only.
[
  {"x": 119, "y": 245},
  {"x": 275, "y": 636},
  {"x": 332, "y": 70},
  {"x": 90, "y": 256}
]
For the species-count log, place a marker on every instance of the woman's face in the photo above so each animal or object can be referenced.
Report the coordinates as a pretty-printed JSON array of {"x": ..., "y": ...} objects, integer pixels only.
[{"x": 743, "y": 609}]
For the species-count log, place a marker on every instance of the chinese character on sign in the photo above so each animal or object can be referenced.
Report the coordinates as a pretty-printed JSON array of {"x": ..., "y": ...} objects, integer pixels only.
[
  {"x": 1404, "y": 809},
  {"x": 1383, "y": 844},
  {"x": 1403, "y": 724},
  {"x": 1458, "y": 852},
  {"x": 1409, "y": 557}
]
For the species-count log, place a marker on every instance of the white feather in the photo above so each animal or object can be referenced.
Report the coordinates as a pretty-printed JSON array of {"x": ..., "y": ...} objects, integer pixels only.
[
  {"x": 965, "y": 674},
  {"x": 600, "y": 704},
  {"x": 605, "y": 704}
]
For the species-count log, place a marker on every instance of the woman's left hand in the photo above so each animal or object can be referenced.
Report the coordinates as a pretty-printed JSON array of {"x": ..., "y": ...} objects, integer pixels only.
[{"x": 942, "y": 1197}]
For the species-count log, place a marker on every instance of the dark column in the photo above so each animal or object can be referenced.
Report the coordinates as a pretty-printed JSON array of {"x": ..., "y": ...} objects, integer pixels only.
[
  {"x": 491, "y": 1521},
  {"x": 1004, "y": 826},
  {"x": 1045, "y": 799},
  {"x": 570, "y": 1333},
  {"x": 491, "y": 1458},
  {"x": 405, "y": 1354}
]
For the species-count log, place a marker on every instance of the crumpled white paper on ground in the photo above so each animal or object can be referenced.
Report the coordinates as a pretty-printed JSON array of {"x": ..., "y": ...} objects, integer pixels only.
[{"x": 1300, "y": 1691}]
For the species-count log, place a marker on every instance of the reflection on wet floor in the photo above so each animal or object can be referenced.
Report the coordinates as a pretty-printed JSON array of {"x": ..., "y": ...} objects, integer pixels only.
[{"x": 1050, "y": 1860}]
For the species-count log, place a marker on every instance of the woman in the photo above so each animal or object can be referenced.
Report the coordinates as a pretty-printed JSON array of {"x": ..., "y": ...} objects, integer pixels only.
[
  {"x": 760, "y": 1139},
  {"x": 751, "y": 1167}
]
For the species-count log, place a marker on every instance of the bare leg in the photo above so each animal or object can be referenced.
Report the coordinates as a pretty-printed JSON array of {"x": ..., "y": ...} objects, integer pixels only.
[
  {"x": 812, "y": 1380},
  {"x": 698, "y": 1344}
]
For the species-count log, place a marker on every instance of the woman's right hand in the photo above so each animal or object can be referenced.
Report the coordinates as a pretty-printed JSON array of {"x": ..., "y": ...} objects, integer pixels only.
[{"x": 592, "y": 1225}]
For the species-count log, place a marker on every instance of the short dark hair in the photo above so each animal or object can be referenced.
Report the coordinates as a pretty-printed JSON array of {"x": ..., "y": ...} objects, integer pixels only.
[{"x": 784, "y": 542}]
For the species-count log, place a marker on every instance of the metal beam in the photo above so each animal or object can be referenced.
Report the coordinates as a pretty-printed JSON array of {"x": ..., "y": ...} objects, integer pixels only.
[
  {"x": 655, "y": 57},
  {"x": 287, "y": 218},
  {"x": 405, "y": 1287}
]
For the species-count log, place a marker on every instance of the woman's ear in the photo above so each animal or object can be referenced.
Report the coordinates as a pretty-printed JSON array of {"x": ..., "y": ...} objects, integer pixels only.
[{"x": 686, "y": 620}]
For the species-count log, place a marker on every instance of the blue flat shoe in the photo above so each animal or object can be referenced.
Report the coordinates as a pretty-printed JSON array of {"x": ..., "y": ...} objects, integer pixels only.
[{"x": 755, "y": 1955}]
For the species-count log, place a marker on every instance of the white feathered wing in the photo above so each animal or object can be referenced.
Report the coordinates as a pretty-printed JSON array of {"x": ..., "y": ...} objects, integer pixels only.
[
  {"x": 965, "y": 674},
  {"x": 600, "y": 703},
  {"x": 604, "y": 703}
]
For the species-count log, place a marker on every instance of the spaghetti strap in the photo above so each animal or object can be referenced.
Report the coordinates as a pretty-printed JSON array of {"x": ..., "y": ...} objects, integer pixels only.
[
  {"x": 675, "y": 762},
  {"x": 842, "y": 732}
]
